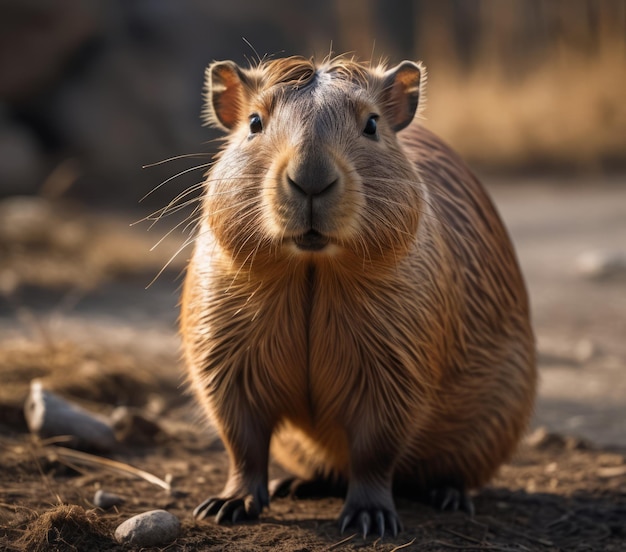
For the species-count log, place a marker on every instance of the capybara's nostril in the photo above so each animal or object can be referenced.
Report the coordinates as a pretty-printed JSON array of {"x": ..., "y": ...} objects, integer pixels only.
[
  {"x": 329, "y": 187},
  {"x": 312, "y": 186},
  {"x": 294, "y": 186}
]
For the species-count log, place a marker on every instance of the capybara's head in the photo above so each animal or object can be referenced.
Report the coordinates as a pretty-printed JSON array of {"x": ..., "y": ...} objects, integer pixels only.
[{"x": 312, "y": 167}]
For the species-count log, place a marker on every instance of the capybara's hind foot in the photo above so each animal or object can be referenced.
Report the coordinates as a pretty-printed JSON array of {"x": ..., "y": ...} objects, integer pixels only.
[
  {"x": 295, "y": 487},
  {"x": 452, "y": 499}
]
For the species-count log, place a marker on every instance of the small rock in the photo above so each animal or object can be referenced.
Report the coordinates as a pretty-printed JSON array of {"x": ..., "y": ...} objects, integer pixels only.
[
  {"x": 585, "y": 350},
  {"x": 154, "y": 528},
  {"x": 133, "y": 428},
  {"x": 157, "y": 404},
  {"x": 542, "y": 439},
  {"x": 602, "y": 265},
  {"x": 577, "y": 443},
  {"x": 105, "y": 500},
  {"x": 48, "y": 415}
]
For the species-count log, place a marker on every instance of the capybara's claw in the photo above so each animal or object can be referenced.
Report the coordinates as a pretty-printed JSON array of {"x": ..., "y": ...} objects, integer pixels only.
[
  {"x": 232, "y": 510},
  {"x": 362, "y": 518},
  {"x": 452, "y": 499},
  {"x": 207, "y": 508},
  {"x": 283, "y": 487}
]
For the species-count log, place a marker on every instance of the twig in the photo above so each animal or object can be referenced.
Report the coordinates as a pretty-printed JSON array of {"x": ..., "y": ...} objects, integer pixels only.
[
  {"x": 611, "y": 471},
  {"x": 108, "y": 464},
  {"x": 538, "y": 540},
  {"x": 462, "y": 536},
  {"x": 44, "y": 477},
  {"x": 14, "y": 506},
  {"x": 493, "y": 524},
  {"x": 344, "y": 541},
  {"x": 556, "y": 521},
  {"x": 465, "y": 547},
  {"x": 403, "y": 545}
]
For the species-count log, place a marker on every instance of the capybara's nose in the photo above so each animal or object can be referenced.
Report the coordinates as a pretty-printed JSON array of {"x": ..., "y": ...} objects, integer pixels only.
[{"x": 311, "y": 175}]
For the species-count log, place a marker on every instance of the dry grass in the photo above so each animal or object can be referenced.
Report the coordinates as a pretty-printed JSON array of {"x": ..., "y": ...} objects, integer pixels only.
[
  {"x": 65, "y": 527},
  {"x": 568, "y": 112},
  {"x": 56, "y": 244}
]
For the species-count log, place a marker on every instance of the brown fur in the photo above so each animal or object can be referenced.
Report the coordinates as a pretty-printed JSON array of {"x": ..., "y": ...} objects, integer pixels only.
[{"x": 400, "y": 352}]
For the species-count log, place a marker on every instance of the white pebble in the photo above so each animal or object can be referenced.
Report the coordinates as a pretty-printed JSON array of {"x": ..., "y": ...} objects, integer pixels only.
[{"x": 154, "y": 528}]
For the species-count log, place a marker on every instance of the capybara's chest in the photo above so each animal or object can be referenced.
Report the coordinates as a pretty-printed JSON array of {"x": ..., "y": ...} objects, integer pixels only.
[{"x": 308, "y": 350}]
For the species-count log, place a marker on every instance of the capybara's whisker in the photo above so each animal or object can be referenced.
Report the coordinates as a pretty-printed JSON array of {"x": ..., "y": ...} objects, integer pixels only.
[
  {"x": 169, "y": 179},
  {"x": 189, "y": 241},
  {"x": 172, "y": 209},
  {"x": 193, "y": 219},
  {"x": 176, "y": 158},
  {"x": 169, "y": 232}
]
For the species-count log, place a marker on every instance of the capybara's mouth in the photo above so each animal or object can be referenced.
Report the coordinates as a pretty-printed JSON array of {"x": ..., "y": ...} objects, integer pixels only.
[{"x": 311, "y": 241}]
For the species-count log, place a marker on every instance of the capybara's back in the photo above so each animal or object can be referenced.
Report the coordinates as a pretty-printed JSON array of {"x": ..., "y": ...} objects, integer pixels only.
[{"x": 354, "y": 300}]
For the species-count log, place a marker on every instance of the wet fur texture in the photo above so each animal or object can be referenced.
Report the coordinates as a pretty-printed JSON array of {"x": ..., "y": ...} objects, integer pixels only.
[{"x": 401, "y": 353}]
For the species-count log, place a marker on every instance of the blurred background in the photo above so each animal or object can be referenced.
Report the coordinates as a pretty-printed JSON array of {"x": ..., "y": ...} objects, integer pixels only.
[
  {"x": 91, "y": 90},
  {"x": 531, "y": 92}
]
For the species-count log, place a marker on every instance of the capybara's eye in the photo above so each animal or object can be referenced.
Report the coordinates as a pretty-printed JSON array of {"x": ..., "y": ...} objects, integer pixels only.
[
  {"x": 371, "y": 126},
  {"x": 256, "y": 125}
]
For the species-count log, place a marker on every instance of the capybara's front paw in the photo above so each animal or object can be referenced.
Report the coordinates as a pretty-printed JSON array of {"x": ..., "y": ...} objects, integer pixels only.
[
  {"x": 228, "y": 510},
  {"x": 377, "y": 518}
]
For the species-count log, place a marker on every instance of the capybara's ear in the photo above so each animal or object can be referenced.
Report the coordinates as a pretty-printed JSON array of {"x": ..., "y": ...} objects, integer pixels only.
[
  {"x": 225, "y": 95},
  {"x": 401, "y": 93}
]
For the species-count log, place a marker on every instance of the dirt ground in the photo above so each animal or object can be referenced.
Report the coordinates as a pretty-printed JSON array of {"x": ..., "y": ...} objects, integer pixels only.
[{"x": 74, "y": 313}]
